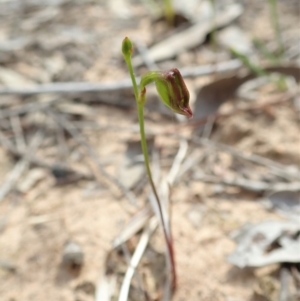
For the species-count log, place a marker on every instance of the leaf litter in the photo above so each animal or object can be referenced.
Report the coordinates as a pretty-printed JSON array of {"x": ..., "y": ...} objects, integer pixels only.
[{"x": 52, "y": 49}]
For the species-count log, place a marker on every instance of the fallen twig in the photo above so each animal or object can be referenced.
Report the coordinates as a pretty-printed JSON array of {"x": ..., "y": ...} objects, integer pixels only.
[{"x": 84, "y": 87}]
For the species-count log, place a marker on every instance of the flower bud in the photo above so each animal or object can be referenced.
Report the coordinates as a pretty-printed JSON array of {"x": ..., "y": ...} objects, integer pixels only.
[
  {"x": 171, "y": 89},
  {"x": 127, "y": 47}
]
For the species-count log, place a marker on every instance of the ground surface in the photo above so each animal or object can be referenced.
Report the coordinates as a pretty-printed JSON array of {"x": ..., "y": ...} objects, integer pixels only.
[{"x": 60, "y": 41}]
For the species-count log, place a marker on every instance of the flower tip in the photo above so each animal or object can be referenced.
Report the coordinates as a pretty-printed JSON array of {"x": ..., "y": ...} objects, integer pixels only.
[{"x": 187, "y": 112}]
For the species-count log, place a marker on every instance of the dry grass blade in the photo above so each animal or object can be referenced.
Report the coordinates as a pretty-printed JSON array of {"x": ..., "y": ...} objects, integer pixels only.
[
  {"x": 165, "y": 197},
  {"x": 170, "y": 179},
  {"x": 136, "y": 258},
  {"x": 175, "y": 168}
]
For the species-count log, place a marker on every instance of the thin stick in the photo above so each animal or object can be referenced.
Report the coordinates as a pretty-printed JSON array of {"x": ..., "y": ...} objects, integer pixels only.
[
  {"x": 171, "y": 176},
  {"x": 136, "y": 274}
]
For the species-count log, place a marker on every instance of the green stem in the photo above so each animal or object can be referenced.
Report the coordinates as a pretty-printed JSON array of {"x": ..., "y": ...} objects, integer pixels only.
[
  {"x": 145, "y": 149},
  {"x": 140, "y": 108},
  {"x": 135, "y": 87}
]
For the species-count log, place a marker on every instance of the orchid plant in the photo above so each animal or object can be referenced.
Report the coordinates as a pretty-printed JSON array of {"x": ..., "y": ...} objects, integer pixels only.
[{"x": 175, "y": 95}]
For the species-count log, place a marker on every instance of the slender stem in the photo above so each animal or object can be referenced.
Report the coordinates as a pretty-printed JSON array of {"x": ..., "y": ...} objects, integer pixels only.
[
  {"x": 140, "y": 108},
  {"x": 145, "y": 149},
  {"x": 131, "y": 72},
  {"x": 168, "y": 238}
]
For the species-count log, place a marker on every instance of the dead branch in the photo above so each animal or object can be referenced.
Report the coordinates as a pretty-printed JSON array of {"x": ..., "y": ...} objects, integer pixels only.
[{"x": 84, "y": 87}]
